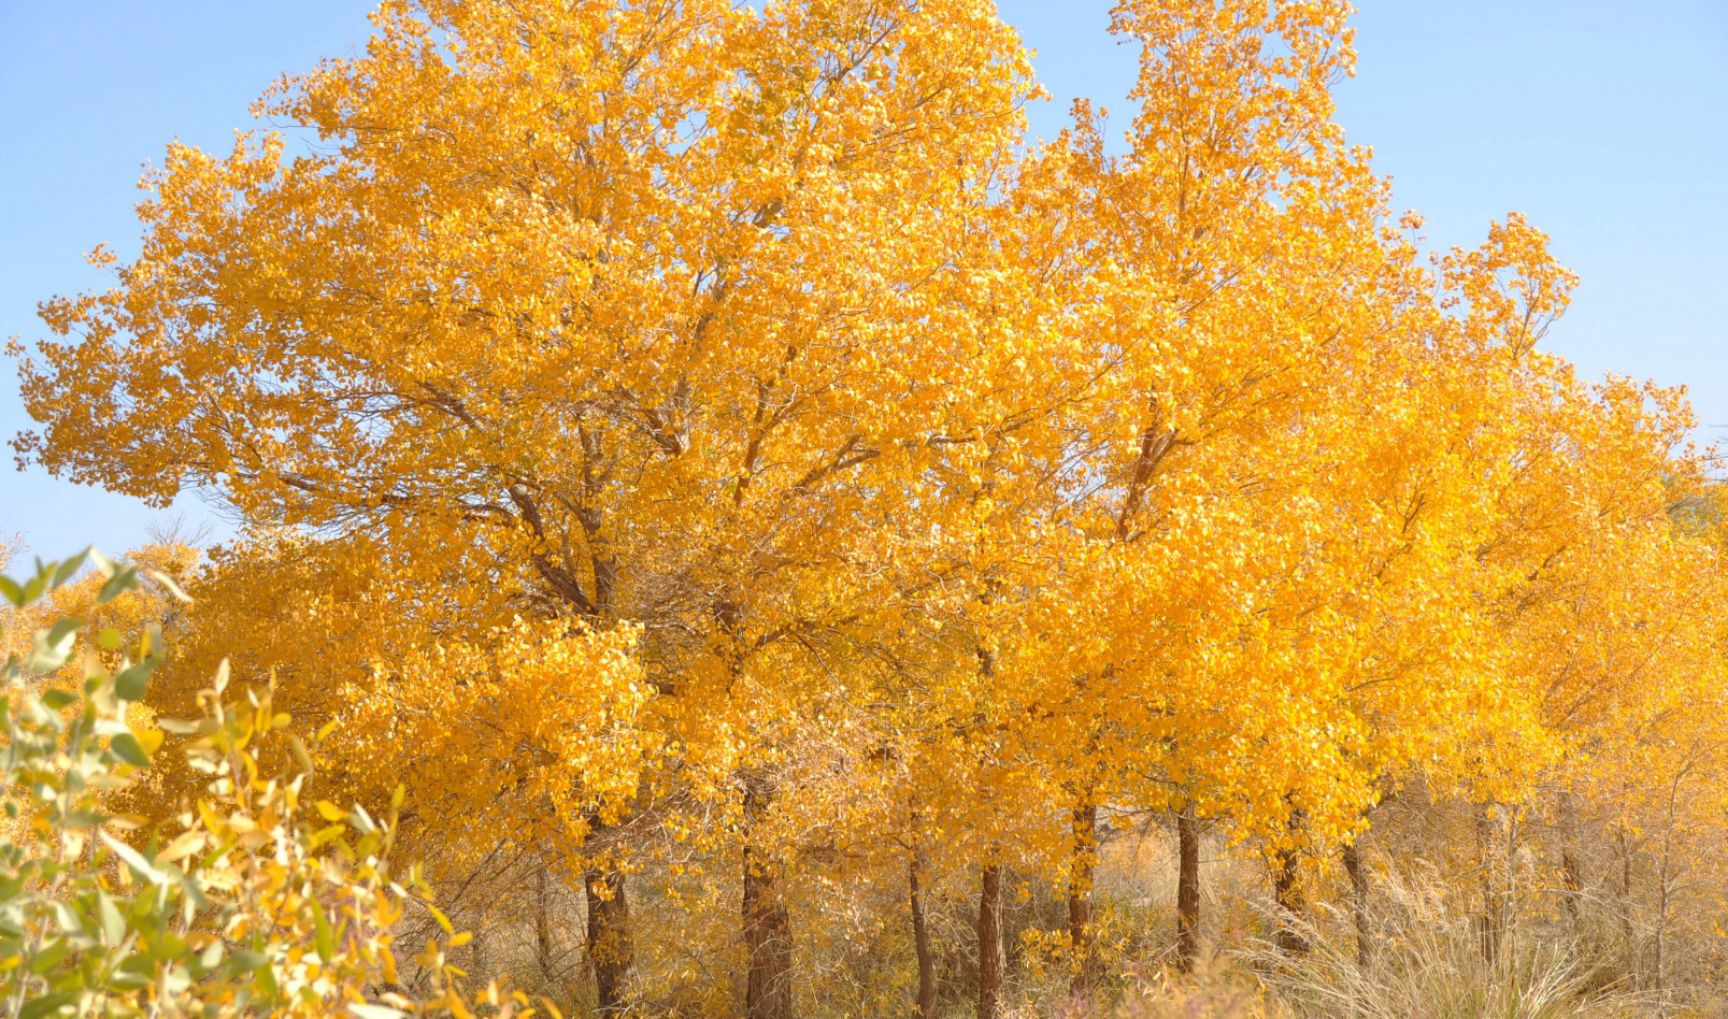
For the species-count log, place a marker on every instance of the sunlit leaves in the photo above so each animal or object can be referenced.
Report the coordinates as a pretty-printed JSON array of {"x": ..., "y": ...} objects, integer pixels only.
[{"x": 96, "y": 915}]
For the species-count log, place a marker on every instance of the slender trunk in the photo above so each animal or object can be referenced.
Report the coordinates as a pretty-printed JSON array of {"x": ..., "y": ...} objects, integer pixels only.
[
  {"x": 1626, "y": 910},
  {"x": 543, "y": 922},
  {"x": 990, "y": 944},
  {"x": 611, "y": 944},
  {"x": 1509, "y": 890},
  {"x": 926, "y": 1007},
  {"x": 545, "y": 935},
  {"x": 1080, "y": 877},
  {"x": 1187, "y": 887},
  {"x": 1287, "y": 891},
  {"x": 1490, "y": 921},
  {"x": 1017, "y": 917},
  {"x": 1359, "y": 904},
  {"x": 1572, "y": 885},
  {"x": 767, "y": 923},
  {"x": 1662, "y": 893},
  {"x": 610, "y": 948},
  {"x": 1571, "y": 863},
  {"x": 990, "y": 892},
  {"x": 480, "y": 964}
]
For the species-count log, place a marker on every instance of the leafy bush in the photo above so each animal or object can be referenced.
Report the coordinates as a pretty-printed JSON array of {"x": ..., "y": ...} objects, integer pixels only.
[{"x": 253, "y": 902}]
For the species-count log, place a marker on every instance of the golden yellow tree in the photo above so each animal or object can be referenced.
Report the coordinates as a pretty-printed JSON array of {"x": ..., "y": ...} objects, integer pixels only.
[{"x": 619, "y": 309}]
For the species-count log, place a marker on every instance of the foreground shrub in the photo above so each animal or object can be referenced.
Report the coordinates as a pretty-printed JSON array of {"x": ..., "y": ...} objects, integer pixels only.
[{"x": 253, "y": 902}]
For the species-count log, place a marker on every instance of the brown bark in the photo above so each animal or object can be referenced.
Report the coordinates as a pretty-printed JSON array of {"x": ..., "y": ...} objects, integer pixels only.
[
  {"x": 1287, "y": 890},
  {"x": 990, "y": 944},
  {"x": 767, "y": 922},
  {"x": 1490, "y": 923},
  {"x": 1080, "y": 877},
  {"x": 543, "y": 923},
  {"x": 1571, "y": 863},
  {"x": 611, "y": 943},
  {"x": 1626, "y": 932},
  {"x": 1664, "y": 883},
  {"x": 1359, "y": 904},
  {"x": 610, "y": 948},
  {"x": 926, "y": 1005},
  {"x": 1187, "y": 888},
  {"x": 1571, "y": 885},
  {"x": 1663, "y": 890},
  {"x": 481, "y": 963}
]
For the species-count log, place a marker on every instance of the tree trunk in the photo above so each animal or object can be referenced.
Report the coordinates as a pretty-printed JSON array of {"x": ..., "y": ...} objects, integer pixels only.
[
  {"x": 1187, "y": 887},
  {"x": 1509, "y": 889},
  {"x": 1662, "y": 894},
  {"x": 1626, "y": 932},
  {"x": 1571, "y": 863},
  {"x": 926, "y": 1006},
  {"x": 1489, "y": 924},
  {"x": 1018, "y": 916},
  {"x": 1571, "y": 885},
  {"x": 1359, "y": 904},
  {"x": 1287, "y": 890},
  {"x": 990, "y": 944},
  {"x": 1080, "y": 877},
  {"x": 610, "y": 948},
  {"x": 480, "y": 963},
  {"x": 767, "y": 923},
  {"x": 611, "y": 945},
  {"x": 543, "y": 922}
]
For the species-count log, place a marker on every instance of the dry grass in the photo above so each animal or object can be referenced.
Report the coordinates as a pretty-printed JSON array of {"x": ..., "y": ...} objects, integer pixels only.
[{"x": 1427, "y": 963}]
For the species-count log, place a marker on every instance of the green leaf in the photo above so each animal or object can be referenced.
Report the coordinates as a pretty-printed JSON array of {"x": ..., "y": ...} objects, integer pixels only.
[
  {"x": 168, "y": 945},
  {"x": 10, "y": 589},
  {"x": 84, "y": 820},
  {"x": 69, "y": 569},
  {"x": 323, "y": 938},
  {"x": 125, "y": 981},
  {"x": 34, "y": 587},
  {"x": 246, "y": 961},
  {"x": 132, "y": 858},
  {"x": 62, "y": 629},
  {"x": 48, "y": 1005},
  {"x": 212, "y": 956},
  {"x": 51, "y": 955},
  {"x": 58, "y": 699},
  {"x": 113, "y": 924},
  {"x": 138, "y": 962},
  {"x": 54, "y": 646},
  {"x": 68, "y": 918},
  {"x": 265, "y": 978},
  {"x": 130, "y": 684},
  {"x": 104, "y": 565},
  {"x": 125, "y": 578},
  {"x": 128, "y": 749}
]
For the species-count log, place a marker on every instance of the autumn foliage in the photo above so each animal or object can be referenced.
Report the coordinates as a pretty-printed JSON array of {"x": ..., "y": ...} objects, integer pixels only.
[{"x": 795, "y": 540}]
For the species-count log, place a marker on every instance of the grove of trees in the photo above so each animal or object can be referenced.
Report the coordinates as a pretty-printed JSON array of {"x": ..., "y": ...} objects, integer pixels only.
[{"x": 796, "y": 543}]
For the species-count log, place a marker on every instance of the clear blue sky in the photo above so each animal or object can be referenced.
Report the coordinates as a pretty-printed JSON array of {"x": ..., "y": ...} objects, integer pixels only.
[{"x": 1605, "y": 120}]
